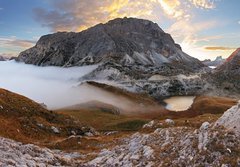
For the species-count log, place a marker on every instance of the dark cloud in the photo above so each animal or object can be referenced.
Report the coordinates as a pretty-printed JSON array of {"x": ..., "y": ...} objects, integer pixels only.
[{"x": 75, "y": 15}]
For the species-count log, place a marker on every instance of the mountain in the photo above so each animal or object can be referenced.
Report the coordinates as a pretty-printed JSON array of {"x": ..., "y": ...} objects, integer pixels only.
[
  {"x": 227, "y": 75},
  {"x": 125, "y": 47},
  {"x": 217, "y": 62}
]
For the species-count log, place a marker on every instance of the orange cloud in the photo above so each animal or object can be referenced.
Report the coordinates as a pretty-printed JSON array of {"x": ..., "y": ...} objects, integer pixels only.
[
  {"x": 172, "y": 8},
  {"x": 73, "y": 15},
  {"x": 213, "y": 48}
]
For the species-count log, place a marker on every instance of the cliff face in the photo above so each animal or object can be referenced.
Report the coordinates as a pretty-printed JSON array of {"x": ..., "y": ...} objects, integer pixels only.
[{"x": 126, "y": 41}]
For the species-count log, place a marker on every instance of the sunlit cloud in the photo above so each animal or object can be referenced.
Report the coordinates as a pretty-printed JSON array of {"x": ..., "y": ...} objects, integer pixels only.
[
  {"x": 219, "y": 48},
  {"x": 239, "y": 22},
  {"x": 73, "y": 15},
  {"x": 189, "y": 34},
  {"x": 13, "y": 41},
  {"x": 172, "y": 8},
  {"x": 11, "y": 46},
  {"x": 205, "y": 4}
]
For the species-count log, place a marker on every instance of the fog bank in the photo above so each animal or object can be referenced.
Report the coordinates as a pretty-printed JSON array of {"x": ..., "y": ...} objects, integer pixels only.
[{"x": 53, "y": 86}]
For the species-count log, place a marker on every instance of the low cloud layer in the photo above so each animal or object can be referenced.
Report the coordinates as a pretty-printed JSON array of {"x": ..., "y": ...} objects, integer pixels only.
[{"x": 53, "y": 86}]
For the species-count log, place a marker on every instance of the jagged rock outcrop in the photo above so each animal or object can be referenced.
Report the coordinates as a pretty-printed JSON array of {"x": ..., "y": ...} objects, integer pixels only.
[
  {"x": 217, "y": 62},
  {"x": 227, "y": 76},
  {"x": 121, "y": 45},
  {"x": 14, "y": 153},
  {"x": 231, "y": 119}
]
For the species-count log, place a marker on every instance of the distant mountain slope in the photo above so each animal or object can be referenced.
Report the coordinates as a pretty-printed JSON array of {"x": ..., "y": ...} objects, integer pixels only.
[
  {"x": 126, "y": 42},
  {"x": 2, "y": 58},
  {"x": 217, "y": 62},
  {"x": 228, "y": 74}
]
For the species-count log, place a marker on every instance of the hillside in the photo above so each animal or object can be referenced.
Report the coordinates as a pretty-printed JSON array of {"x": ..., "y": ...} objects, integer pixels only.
[
  {"x": 25, "y": 120},
  {"x": 227, "y": 76}
]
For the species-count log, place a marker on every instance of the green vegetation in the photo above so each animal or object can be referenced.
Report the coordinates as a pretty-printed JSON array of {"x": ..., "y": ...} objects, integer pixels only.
[{"x": 103, "y": 121}]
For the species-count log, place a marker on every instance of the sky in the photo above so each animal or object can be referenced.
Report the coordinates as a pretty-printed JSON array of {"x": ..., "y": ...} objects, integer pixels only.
[{"x": 204, "y": 28}]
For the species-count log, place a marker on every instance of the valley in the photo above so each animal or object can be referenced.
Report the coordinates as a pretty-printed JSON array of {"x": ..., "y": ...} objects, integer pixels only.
[{"x": 121, "y": 93}]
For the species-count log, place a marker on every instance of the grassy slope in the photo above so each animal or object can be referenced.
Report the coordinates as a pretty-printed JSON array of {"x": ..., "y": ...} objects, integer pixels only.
[
  {"x": 20, "y": 118},
  {"x": 106, "y": 121}
]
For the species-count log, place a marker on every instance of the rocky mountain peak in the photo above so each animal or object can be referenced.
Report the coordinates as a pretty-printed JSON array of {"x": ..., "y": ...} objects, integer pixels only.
[{"x": 116, "y": 45}]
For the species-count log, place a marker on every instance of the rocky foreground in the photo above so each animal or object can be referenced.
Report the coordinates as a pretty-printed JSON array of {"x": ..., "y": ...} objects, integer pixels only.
[
  {"x": 14, "y": 153},
  {"x": 211, "y": 145},
  {"x": 214, "y": 144}
]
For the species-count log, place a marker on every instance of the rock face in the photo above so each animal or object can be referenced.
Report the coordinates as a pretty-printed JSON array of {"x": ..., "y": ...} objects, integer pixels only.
[
  {"x": 227, "y": 75},
  {"x": 126, "y": 47},
  {"x": 14, "y": 153},
  {"x": 217, "y": 62},
  {"x": 231, "y": 119}
]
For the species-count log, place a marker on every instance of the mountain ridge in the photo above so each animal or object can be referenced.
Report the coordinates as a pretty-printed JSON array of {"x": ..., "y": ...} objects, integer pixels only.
[{"x": 124, "y": 41}]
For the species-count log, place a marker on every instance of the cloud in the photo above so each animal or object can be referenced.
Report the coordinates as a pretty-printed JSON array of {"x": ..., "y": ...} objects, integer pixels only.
[
  {"x": 204, "y": 4},
  {"x": 52, "y": 85},
  {"x": 172, "y": 8},
  {"x": 188, "y": 34},
  {"x": 58, "y": 87},
  {"x": 12, "y": 45},
  {"x": 239, "y": 22},
  {"x": 75, "y": 15},
  {"x": 220, "y": 48},
  {"x": 13, "y": 41},
  {"x": 1, "y": 8}
]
